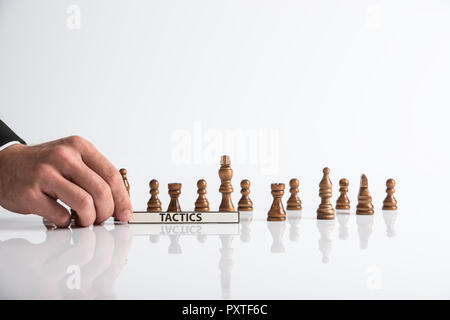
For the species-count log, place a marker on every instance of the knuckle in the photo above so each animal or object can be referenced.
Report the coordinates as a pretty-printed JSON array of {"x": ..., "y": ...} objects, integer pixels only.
[
  {"x": 86, "y": 203},
  {"x": 111, "y": 174},
  {"x": 43, "y": 171},
  {"x": 61, "y": 153},
  {"x": 74, "y": 141}
]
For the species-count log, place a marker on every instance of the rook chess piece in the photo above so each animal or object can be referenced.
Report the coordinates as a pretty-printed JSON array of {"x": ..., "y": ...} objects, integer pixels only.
[
  {"x": 343, "y": 203},
  {"x": 294, "y": 202},
  {"x": 154, "y": 204},
  {"x": 365, "y": 205},
  {"x": 276, "y": 212},
  {"x": 245, "y": 204},
  {"x": 123, "y": 173},
  {"x": 174, "y": 192},
  {"x": 325, "y": 210},
  {"x": 390, "y": 203},
  {"x": 202, "y": 203},
  {"x": 225, "y": 174}
]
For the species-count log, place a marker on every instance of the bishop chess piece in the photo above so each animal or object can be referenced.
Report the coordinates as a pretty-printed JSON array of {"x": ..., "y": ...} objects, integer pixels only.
[
  {"x": 343, "y": 202},
  {"x": 201, "y": 204},
  {"x": 225, "y": 175},
  {"x": 276, "y": 212},
  {"x": 294, "y": 202},
  {"x": 154, "y": 204},
  {"x": 123, "y": 173},
  {"x": 174, "y": 192},
  {"x": 245, "y": 204},
  {"x": 325, "y": 210},
  {"x": 365, "y": 205},
  {"x": 390, "y": 203}
]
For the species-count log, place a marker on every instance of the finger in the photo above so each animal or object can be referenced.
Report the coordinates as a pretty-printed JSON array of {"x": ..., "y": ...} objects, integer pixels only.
[
  {"x": 51, "y": 210},
  {"x": 98, "y": 162},
  {"x": 74, "y": 196},
  {"x": 92, "y": 183}
]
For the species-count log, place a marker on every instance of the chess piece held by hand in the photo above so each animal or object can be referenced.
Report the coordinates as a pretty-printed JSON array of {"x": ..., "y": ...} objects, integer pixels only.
[
  {"x": 201, "y": 204},
  {"x": 154, "y": 204},
  {"x": 276, "y": 212},
  {"x": 365, "y": 205},
  {"x": 390, "y": 203},
  {"x": 123, "y": 173},
  {"x": 343, "y": 202},
  {"x": 294, "y": 202},
  {"x": 325, "y": 210},
  {"x": 245, "y": 204}
]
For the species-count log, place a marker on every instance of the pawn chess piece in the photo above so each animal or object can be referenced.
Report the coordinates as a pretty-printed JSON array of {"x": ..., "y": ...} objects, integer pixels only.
[
  {"x": 390, "y": 203},
  {"x": 325, "y": 210},
  {"x": 154, "y": 204},
  {"x": 123, "y": 173},
  {"x": 245, "y": 204},
  {"x": 225, "y": 174},
  {"x": 365, "y": 205},
  {"x": 294, "y": 202},
  {"x": 276, "y": 212},
  {"x": 201, "y": 204},
  {"x": 174, "y": 192},
  {"x": 343, "y": 202}
]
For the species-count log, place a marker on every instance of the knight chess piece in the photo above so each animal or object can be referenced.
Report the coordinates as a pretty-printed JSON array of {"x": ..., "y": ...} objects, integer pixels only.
[
  {"x": 325, "y": 210},
  {"x": 174, "y": 192},
  {"x": 294, "y": 202},
  {"x": 365, "y": 205},
  {"x": 390, "y": 203},
  {"x": 276, "y": 212},
  {"x": 225, "y": 174},
  {"x": 343, "y": 202},
  {"x": 245, "y": 204},
  {"x": 154, "y": 204},
  {"x": 201, "y": 204}
]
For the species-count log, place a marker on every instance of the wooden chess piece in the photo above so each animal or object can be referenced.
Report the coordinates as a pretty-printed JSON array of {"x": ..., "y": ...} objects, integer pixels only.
[
  {"x": 201, "y": 204},
  {"x": 245, "y": 204},
  {"x": 365, "y": 205},
  {"x": 276, "y": 212},
  {"x": 174, "y": 192},
  {"x": 123, "y": 173},
  {"x": 225, "y": 174},
  {"x": 343, "y": 202},
  {"x": 325, "y": 210},
  {"x": 154, "y": 204},
  {"x": 294, "y": 202},
  {"x": 390, "y": 203}
]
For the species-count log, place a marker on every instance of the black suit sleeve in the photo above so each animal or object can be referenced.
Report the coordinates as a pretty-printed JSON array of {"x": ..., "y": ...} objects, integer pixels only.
[{"x": 7, "y": 135}]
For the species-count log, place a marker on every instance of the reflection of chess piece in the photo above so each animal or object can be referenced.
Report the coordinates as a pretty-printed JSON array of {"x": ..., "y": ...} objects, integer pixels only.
[
  {"x": 154, "y": 204},
  {"x": 202, "y": 238},
  {"x": 294, "y": 220},
  {"x": 174, "y": 246},
  {"x": 277, "y": 231},
  {"x": 325, "y": 228},
  {"x": 343, "y": 202},
  {"x": 245, "y": 204},
  {"x": 294, "y": 202},
  {"x": 325, "y": 210},
  {"x": 154, "y": 238},
  {"x": 226, "y": 265},
  {"x": 365, "y": 206},
  {"x": 276, "y": 212},
  {"x": 225, "y": 175},
  {"x": 365, "y": 225},
  {"x": 343, "y": 228},
  {"x": 202, "y": 203},
  {"x": 389, "y": 218},
  {"x": 174, "y": 192},
  {"x": 390, "y": 203},
  {"x": 244, "y": 225}
]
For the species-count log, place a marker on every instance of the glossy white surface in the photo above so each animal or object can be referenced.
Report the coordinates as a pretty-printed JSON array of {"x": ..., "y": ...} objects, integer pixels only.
[{"x": 384, "y": 256}]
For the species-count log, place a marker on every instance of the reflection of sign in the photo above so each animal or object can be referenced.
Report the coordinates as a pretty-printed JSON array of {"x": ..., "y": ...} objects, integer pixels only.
[
  {"x": 185, "y": 217},
  {"x": 185, "y": 229}
]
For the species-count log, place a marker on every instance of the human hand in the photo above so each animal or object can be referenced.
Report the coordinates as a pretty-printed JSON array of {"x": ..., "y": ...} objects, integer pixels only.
[{"x": 33, "y": 178}]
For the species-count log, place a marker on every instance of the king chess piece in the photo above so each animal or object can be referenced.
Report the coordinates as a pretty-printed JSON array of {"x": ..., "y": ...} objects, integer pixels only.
[
  {"x": 225, "y": 175},
  {"x": 325, "y": 210}
]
